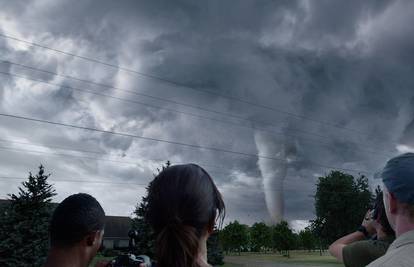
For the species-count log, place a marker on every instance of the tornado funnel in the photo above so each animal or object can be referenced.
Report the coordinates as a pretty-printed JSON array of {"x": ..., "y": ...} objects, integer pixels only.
[{"x": 273, "y": 173}]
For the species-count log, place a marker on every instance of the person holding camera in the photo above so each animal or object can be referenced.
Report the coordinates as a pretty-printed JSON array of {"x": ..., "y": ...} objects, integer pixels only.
[
  {"x": 369, "y": 242},
  {"x": 398, "y": 187}
]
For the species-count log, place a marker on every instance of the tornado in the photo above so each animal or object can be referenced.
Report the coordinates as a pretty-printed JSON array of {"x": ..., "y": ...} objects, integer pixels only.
[{"x": 273, "y": 173}]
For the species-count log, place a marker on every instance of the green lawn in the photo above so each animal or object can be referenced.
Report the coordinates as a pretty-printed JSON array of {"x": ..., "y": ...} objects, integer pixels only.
[
  {"x": 99, "y": 258},
  {"x": 298, "y": 257},
  {"x": 231, "y": 265}
]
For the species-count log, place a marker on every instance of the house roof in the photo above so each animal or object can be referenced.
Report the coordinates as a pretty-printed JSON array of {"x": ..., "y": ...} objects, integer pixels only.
[{"x": 117, "y": 227}]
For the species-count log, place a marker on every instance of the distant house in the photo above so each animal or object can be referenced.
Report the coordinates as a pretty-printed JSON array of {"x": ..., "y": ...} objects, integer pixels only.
[
  {"x": 116, "y": 232},
  {"x": 116, "y": 229}
]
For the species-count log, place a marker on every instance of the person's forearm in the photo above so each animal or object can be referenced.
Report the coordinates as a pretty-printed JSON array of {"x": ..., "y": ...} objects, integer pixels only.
[
  {"x": 335, "y": 249},
  {"x": 348, "y": 239}
]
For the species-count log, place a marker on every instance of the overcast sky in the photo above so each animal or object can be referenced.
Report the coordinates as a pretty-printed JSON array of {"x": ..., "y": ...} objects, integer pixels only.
[{"x": 332, "y": 80}]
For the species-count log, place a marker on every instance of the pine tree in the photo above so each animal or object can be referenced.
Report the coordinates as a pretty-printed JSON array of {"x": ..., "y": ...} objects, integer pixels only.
[
  {"x": 25, "y": 222},
  {"x": 146, "y": 243},
  {"x": 214, "y": 251}
]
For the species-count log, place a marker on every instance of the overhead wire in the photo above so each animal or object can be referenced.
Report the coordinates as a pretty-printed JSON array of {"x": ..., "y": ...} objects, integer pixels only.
[
  {"x": 197, "y": 115},
  {"x": 183, "y": 85},
  {"x": 66, "y": 180},
  {"x": 176, "y": 143},
  {"x": 226, "y": 114}
]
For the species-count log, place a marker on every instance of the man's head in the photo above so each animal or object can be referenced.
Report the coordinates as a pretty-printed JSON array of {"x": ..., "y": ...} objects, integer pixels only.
[
  {"x": 78, "y": 221},
  {"x": 398, "y": 180}
]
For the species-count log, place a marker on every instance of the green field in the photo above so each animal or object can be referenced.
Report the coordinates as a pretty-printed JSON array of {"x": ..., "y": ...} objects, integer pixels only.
[{"x": 297, "y": 258}]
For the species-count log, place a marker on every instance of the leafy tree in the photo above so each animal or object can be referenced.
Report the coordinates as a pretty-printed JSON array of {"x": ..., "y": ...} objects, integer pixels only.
[
  {"x": 283, "y": 238},
  {"x": 341, "y": 201},
  {"x": 261, "y": 237},
  {"x": 307, "y": 239},
  {"x": 25, "y": 222},
  {"x": 234, "y": 237}
]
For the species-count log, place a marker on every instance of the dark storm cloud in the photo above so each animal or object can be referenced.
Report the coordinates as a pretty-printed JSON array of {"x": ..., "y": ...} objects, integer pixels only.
[{"x": 340, "y": 63}]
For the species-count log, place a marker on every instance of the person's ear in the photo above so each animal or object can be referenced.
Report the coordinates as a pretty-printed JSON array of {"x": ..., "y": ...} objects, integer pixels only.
[
  {"x": 210, "y": 230},
  {"x": 393, "y": 203},
  {"x": 93, "y": 238},
  {"x": 90, "y": 239}
]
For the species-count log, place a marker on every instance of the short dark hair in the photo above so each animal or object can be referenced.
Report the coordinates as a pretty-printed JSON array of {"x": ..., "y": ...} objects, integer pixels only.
[{"x": 74, "y": 218}]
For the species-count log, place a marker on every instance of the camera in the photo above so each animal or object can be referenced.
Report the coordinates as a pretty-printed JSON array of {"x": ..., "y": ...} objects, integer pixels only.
[{"x": 129, "y": 259}]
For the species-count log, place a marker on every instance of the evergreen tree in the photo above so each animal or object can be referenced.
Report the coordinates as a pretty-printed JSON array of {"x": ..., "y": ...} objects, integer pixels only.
[
  {"x": 214, "y": 250},
  {"x": 146, "y": 242},
  {"x": 25, "y": 222}
]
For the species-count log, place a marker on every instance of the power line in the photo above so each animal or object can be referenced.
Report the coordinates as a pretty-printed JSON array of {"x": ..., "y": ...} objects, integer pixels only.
[
  {"x": 145, "y": 95},
  {"x": 195, "y": 115},
  {"x": 167, "y": 100},
  {"x": 97, "y": 159},
  {"x": 134, "y": 93},
  {"x": 76, "y": 181},
  {"x": 192, "y": 146},
  {"x": 182, "y": 85},
  {"x": 222, "y": 169},
  {"x": 65, "y": 155},
  {"x": 51, "y": 146},
  {"x": 147, "y": 184}
]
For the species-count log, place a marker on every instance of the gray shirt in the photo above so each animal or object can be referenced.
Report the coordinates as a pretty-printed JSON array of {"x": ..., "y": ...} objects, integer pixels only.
[{"x": 399, "y": 254}]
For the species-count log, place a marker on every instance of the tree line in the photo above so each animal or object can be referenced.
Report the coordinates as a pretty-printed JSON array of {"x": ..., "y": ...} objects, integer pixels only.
[
  {"x": 341, "y": 201},
  {"x": 263, "y": 238}
]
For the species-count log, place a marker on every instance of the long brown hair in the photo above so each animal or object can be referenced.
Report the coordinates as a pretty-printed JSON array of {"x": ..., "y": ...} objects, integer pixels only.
[{"x": 183, "y": 203}]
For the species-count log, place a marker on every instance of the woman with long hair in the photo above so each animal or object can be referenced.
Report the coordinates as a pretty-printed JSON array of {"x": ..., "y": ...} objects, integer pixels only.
[{"x": 184, "y": 205}]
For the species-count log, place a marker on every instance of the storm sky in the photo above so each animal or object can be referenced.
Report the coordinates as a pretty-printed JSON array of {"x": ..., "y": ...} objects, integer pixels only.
[{"x": 330, "y": 80}]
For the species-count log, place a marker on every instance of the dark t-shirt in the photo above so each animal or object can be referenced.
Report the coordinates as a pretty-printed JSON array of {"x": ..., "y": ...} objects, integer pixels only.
[{"x": 361, "y": 253}]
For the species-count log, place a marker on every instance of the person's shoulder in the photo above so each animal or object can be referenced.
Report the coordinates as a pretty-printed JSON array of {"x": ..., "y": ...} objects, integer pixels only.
[
  {"x": 400, "y": 257},
  {"x": 361, "y": 253}
]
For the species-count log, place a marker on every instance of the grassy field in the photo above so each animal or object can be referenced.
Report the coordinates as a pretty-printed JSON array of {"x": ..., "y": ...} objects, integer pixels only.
[{"x": 297, "y": 258}]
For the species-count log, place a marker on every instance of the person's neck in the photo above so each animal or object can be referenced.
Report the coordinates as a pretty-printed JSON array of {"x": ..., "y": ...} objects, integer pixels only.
[
  {"x": 403, "y": 224},
  {"x": 202, "y": 254},
  {"x": 65, "y": 257}
]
